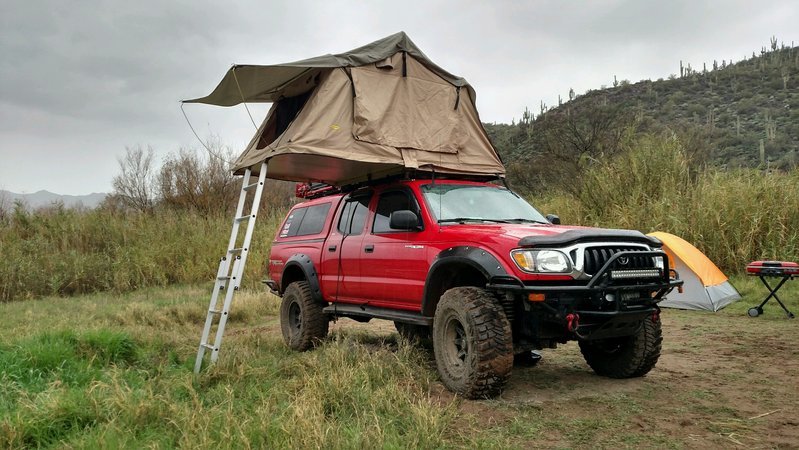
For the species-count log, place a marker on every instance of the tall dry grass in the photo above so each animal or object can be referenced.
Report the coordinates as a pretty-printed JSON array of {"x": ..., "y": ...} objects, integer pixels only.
[
  {"x": 733, "y": 216},
  {"x": 58, "y": 251}
]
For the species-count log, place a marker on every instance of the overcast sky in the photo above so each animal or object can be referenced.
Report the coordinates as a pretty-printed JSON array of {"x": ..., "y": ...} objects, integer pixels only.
[{"x": 81, "y": 80}]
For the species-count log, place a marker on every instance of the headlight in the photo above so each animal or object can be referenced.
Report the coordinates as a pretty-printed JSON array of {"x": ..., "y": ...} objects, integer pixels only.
[{"x": 542, "y": 261}]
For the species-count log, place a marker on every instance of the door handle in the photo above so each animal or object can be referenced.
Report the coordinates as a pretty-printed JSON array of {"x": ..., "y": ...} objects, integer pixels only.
[
  {"x": 332, "y": 248},
  {"x": 369, "y": 248}
]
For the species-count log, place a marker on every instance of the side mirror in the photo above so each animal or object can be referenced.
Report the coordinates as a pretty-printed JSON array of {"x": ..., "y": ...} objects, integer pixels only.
[
  {"x": 553, "y": 219},
  {"x": 403, "y": 220}
]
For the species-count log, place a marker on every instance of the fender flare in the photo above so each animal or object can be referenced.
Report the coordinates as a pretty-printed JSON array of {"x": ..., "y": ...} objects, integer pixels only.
[
  {"x": 305, "y": 264},
  {"x": 482, "y": 260}
]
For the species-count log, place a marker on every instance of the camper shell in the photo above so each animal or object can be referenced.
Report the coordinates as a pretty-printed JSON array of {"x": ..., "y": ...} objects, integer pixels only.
[{"x": 405, "y": 220}]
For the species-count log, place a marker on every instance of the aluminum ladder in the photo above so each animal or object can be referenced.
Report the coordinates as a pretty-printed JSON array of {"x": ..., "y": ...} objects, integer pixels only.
[{"x": 228, "y": 276}]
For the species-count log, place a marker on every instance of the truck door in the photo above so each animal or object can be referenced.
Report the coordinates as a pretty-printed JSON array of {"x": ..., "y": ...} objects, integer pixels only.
[
  {"x": 394, "y": 262},
  {"x": 340, "y": 255}
]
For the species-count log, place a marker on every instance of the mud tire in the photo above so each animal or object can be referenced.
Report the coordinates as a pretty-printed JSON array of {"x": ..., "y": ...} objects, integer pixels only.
[
  {"x": 472, "y": 342},
  {"x": 626, "y": 357},
  {"x": 301, "y": 318}
]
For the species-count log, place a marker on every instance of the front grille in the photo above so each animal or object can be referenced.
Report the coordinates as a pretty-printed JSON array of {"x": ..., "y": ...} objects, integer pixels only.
[{"x": 596, "y": 257}]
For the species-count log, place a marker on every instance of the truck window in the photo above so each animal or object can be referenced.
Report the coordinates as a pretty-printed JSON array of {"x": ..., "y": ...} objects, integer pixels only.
[
  {"x": 353, "y": 216},
  {"x": 387, "y": 204},
  {"x": 305, "y": 221},
  {"x": 314, "y": 220}
]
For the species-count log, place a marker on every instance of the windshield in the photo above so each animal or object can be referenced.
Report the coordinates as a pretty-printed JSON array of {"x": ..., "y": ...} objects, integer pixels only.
[{"x": 463, "y": 203}]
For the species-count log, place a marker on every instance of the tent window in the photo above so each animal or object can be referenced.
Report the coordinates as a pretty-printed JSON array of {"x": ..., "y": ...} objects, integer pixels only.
[{"x": 285, "y": 112}]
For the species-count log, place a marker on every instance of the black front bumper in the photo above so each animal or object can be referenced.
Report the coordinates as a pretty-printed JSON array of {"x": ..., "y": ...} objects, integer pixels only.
[{"x": 606, "y": 306}]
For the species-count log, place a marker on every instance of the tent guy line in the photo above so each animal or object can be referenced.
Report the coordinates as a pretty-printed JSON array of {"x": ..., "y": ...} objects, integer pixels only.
[
  {"x": 207, "y": 148},
  {"x": 233, "y": 70}
]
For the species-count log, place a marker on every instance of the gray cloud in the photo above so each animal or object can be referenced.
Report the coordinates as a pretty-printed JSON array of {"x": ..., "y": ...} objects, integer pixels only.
[{"x": 80, "y": 80}]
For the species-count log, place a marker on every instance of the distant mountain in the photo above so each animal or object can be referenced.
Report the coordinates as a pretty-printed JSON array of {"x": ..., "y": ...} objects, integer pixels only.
[
  {"x": 46, "y": 198},
  {"x": 744, "y": 113}
]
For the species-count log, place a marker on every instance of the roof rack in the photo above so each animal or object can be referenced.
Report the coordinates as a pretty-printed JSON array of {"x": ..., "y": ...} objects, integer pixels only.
[{"x": 315, "y": 190}]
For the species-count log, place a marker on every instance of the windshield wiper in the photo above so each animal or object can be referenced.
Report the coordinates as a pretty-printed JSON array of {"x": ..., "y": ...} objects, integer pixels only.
[
  {"x": 525, "y": 221},
  {"x": 471, "y": 219}
]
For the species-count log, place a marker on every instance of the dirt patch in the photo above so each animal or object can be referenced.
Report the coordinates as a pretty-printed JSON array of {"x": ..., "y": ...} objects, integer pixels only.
[{"x": 722, "y": 381}]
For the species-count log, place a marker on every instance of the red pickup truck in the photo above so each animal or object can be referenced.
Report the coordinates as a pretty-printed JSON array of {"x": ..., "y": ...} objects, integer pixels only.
[{"x": 475, "y": 267}]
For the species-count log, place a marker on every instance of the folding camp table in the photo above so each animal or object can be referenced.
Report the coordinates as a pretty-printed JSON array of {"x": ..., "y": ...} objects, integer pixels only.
[{"x": 775, "y": 269}]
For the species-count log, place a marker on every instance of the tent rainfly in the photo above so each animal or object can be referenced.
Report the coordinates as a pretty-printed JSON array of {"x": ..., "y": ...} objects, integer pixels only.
[
  {"x": 706, "y": 287},
  {"x": 377, "y": 110}
]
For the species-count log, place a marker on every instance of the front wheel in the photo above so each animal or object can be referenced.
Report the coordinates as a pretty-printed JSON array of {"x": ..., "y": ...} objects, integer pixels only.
[
  {"x": 628, "y": 356},
  {"x": 302, "y": 320},
  {"x": 472, "y": 342}
]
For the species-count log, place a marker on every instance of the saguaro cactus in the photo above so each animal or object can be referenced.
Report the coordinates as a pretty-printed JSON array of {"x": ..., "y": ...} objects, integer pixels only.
[{"x": 771, "y": 126}]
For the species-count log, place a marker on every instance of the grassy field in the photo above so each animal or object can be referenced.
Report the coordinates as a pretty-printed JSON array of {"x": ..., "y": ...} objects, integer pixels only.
[
  {"x": 100, "y": 352},
  {"x": 58, "y": 251},
  {"x": 111, "y": 371}
]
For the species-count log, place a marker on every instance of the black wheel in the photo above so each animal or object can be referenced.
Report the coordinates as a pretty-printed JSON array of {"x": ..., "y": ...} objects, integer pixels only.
[
  {"x": 472, "y": 342},
  {"x": 414, "y": 333},
  {"x": 754, "y": 312},
  {"x": 625, "y": 357},
  {"x": 301, "y": 318}
]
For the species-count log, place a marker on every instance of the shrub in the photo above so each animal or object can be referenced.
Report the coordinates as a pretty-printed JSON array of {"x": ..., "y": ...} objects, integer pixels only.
[{"x": 734, "y": 217}]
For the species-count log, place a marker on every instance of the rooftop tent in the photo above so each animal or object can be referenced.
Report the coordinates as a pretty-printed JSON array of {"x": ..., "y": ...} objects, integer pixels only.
[
  {"x": 706, "y": 287},
  {"x": 377, "y": 110}
]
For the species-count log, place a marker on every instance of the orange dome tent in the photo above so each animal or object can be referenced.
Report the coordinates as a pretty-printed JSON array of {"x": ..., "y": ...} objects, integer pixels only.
[{"x": 706, "y": 287}]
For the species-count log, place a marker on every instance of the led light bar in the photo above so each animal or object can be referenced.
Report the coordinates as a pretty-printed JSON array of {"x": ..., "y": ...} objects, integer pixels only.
[{"x": 637, "y": 273}]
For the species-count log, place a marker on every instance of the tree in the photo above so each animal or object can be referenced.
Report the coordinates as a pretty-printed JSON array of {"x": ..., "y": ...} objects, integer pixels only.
[
  {"x": 188, "y": 181},
  {"x": 567, "y": 143},
  {"x": 134, "y": 186}
]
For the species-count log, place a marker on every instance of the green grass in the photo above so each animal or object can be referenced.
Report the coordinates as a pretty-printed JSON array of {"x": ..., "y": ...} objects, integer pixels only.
[
  {"x": 753, "y": 293},
  {"x": 105, "y": 372},
  {"x": 115, "y": 371},
  {"x": 114, "y": 368}
]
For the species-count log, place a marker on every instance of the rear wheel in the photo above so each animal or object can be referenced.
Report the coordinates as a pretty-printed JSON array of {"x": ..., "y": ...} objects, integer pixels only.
[
  {"x": 472, "y": 342},
  {"x": 301, "y": 318},
  {"x": 625, "y": 357}
]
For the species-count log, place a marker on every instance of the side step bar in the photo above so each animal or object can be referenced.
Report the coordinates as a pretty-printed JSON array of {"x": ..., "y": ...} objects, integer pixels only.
[{"x": 371, "y": 312}]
